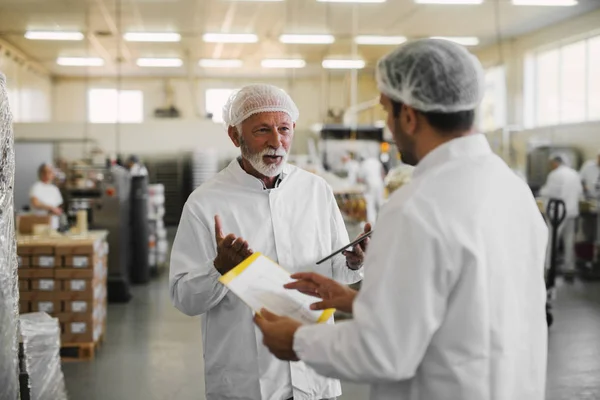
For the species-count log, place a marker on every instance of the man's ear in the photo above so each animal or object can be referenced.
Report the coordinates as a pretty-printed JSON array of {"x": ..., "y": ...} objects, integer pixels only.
[
  {"x": 234, "y": 135},
  {"x": 409, "y": 119}
]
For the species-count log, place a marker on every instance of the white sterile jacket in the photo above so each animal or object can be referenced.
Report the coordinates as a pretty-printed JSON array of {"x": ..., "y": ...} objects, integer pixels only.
[
  {"x": 453, "y": 302},
  {"x": 294, "y": 224},
  {"x": 564, "y": 183}
]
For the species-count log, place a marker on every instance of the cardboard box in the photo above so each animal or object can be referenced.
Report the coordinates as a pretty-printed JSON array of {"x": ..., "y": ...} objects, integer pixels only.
[
  {"x": 48, "y": 306},
  {"x": 26, "y": 222},
  {"x": 45, "y": 285},
  {"x": 23, "y": 285},
  {"x": 87, "y": 331},
  {"x": 24, "y": 307},
  {"x": 74, "y": 273},
  {"x": 79, "y": 247},
  {"x": 25, "y": 249},
  {"x": 33, "y": 273},
  {"x": 79, "y": 261},
  {"x": 45, "y": 248},
  {"x": 43, "y": 261},
  {"x": 78, "y": 306},
  {"x": 39, "y": 296},
  {"x": 82, "y": 289},
  {"x": 24, "y": 261}
]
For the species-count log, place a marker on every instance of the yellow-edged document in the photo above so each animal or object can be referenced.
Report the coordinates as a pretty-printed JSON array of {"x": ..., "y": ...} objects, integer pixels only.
[{"x": 258, "y": 282}]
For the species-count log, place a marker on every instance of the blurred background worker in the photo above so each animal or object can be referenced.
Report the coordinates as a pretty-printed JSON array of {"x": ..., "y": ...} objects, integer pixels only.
[
  {"x": 44, "y": 196},
  {"x": 590, "y": 177},
  {"x": 351, "y": 166},
  {"x": 372, "y": 174},
  {"x": 135, "y": 166},
  {"x": 564, "y": 183}
]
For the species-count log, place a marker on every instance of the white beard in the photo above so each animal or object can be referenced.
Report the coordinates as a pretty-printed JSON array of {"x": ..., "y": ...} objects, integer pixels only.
[{"x": 256, "y": 160}]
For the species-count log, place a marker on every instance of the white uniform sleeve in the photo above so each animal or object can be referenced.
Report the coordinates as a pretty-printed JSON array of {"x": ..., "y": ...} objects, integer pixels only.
[
  {"x": 33, "y": 192},
  {"x": 398, "y": 310},
  {"x": 553, "y": 186},
  {"x": 194, "y": 281},
  {"x": 339, "y": 238}
]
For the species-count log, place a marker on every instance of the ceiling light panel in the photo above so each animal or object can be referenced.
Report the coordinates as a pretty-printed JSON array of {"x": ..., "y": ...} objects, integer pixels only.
[
  {"x": 283, "y": 63},
  {"x": 53, "y": 35},
  {"x": 159, "y": 62},
  {"x": 549, "y": 3},
  {"x": 80, "y": 61},
  {"x": 307, "y": 39},
  {"x": 343, "y": 64},
  {"x": 451, "y": 2},
  {"x": 152, "y": 37},
  {"x": 230, "y": 38},
  {"x": 220, "y": 63},
  {"x": 463, "y": 40},
  {"x": 379, "y": 40}
]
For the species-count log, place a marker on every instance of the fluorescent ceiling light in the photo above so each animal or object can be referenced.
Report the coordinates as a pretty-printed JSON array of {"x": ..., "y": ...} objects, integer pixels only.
[
  {"x": 343, "y": 64},
  {"x": 80, "y": 61},
  {"x": 53, "y": 35},
  {"x": 152, "y": 37},
  {"x": 564, "y": 3},
  {"x": 230, "y": 38},
  {"x": 159, "y": 62},
  {"x": 220, "y": 63},
  {"x": 379, "y": 40},
  {"x": 307, "y": 39},
  {"x": 463, "y": 40},
  {"x": 283, "y": 63},
  {"x": 351, "y": 1},
  {"x": 257, "y": 1},
  {"x": 458, "y": 2}
]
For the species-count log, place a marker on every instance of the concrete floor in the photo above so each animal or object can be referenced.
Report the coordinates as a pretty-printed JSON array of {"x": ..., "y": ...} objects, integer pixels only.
[{"x": 153, "y": 352}]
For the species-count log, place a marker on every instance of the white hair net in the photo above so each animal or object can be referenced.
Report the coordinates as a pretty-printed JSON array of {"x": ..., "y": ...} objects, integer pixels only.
[
  {"x": 254, "y": 99},
  {"x": 432, "y": 75}
]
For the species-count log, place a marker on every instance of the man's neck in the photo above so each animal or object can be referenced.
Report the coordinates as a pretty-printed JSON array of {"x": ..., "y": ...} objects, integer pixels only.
[
  {"x": 268, "y": 181},
  {"x": 436, "y": 140}
]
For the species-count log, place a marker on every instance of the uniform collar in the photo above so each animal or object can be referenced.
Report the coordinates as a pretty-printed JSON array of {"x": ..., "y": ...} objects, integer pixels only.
[
  {"x": 460, "y": 148},
  {"x": 252, "y": 182}
]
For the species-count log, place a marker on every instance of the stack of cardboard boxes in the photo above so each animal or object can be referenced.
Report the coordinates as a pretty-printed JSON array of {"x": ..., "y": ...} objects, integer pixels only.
[{"x": 66, "y": 277}]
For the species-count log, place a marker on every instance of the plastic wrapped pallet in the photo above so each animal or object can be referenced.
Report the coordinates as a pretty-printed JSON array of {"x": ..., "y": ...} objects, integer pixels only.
[
  {"x": 41, "y": 341},
  {"x": 9, "y": 292}
]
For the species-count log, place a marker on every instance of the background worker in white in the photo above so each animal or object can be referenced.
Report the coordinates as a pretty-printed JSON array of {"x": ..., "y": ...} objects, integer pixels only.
[
  {"x": 371, "y": 173},
  {"x": 590, "y": 177},
  {"x": 44, "y": 196},
  {"x": 453, "y": 301},
  {"x": 564, "y": 183},
  {"x": 266, "y": 205}
]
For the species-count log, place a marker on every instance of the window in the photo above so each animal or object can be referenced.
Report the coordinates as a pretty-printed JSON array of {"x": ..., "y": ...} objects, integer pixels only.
[
  {"x": 111, "y": 106},
  {"x": 560, "y": 84},
  {"x": 492, "y": 111},
  {"x": 215, "y": 101}
]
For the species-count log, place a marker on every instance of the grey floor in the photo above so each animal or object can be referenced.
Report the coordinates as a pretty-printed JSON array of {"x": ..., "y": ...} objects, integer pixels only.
[{"x": 153, "y": 352}]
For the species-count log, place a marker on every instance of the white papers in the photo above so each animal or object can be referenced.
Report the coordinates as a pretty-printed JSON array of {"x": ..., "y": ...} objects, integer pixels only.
[{"x": 258, "y": 282}]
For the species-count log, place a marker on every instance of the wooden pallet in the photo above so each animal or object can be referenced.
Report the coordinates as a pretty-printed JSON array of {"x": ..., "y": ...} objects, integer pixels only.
[{"x": 80, "y": 351}]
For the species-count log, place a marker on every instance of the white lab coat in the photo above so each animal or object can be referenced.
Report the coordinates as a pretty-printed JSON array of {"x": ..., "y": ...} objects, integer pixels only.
[
  {"x": 564, "y": 183},
  {"x": 452, "y": 306},
  {"x": 49, "y": 195},
  {"x": 295, "y": 224},
  {"x": 352, "y": 168},
  {"x": 371, "y": 173},
  {"x": 590, "y": 175}
]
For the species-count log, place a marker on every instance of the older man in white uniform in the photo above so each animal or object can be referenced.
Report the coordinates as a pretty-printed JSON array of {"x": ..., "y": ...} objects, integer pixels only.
[
  {"x": 267, "y": 205},
  {"x": 453, "y": 302}
]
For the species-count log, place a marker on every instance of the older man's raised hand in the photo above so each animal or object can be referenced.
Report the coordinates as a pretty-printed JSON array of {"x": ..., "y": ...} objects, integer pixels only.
[{"x": 231, "y": 250}]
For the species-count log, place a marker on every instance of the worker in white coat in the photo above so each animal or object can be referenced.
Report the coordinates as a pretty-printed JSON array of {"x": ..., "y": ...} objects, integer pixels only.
[
  {"x": 590, "y": 177},
  {"x": 564, "y": 183},
  {"x": 372, "y": 174},
  {"x": 351, "y": 166},
  {"x": 262, "y": 204},
  {"x": 452, "y": 306},
  {"x": 45, "y": 197}
]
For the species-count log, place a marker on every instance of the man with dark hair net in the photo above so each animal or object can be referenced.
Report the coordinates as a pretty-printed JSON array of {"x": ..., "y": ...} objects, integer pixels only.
[{"x": 453, "y": 301}]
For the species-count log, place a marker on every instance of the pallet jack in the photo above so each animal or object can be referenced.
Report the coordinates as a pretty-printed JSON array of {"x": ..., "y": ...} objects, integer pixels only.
[{"x": 556, "y": 213}]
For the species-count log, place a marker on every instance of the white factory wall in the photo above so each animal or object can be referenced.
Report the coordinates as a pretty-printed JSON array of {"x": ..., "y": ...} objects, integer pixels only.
[
  {"x": 312, "y": 95},
  {"x": 29, "y": 88},
  {"x": 511, "y": 54}
]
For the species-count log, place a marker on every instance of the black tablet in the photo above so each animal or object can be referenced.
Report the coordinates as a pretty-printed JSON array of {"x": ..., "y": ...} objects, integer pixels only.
[{"x": 351, "y": 244}]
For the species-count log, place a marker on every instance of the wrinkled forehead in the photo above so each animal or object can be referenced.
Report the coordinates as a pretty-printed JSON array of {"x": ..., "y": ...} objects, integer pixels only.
[{"x": 269, "y": 118}]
